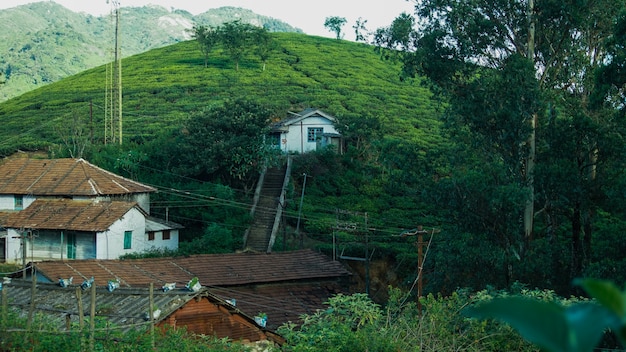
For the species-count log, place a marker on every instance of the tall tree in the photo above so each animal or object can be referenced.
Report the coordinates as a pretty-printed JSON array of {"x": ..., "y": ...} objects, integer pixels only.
[
  {"x": 264, "y": 44},
  {"x": 225, "y": 142},
  {"x": 335, "y": 24},
  {"x": 206, "y": 38},
  {"x": 459, "y": 44},
  {"x": 237, "y": 38},
  {"x": 360, "y": 30}
]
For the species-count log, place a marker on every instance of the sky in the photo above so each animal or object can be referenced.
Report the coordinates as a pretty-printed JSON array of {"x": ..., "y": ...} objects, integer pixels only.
[{"x": 307, "y": 15}]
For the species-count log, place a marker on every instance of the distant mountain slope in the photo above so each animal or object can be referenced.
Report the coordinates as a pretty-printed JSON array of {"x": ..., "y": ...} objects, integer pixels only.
[
  {"x": 43, "y": 42},
  {"x": 163, "y": 87}
]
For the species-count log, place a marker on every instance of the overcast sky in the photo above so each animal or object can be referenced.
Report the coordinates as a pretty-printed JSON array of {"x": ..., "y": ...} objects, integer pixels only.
[{"x": 308, "y": 15}]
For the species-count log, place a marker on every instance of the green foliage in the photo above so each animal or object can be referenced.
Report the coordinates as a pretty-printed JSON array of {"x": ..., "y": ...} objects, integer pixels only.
[
  {"x": 215, "y": 239},
  {"x": 63, "y": 43},
  {"x": 334, "y": 24},
  {"x": 349, "y": 324},
  {"x": 577, "y": 327},
  {"x": 225, "y": 142}
]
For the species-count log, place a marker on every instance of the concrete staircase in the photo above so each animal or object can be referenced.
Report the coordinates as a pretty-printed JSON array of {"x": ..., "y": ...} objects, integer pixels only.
[{"x": 259, "y": 235}]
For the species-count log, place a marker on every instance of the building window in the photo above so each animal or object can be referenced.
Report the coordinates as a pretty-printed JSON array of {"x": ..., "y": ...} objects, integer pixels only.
[
  {"x": 166, "y": 234},
  {"x": 128, "y": 239},
  {"x": 151, "y": 236},
  {"x": 19, "y": 202},
  {"x": 314, "y": 133}
]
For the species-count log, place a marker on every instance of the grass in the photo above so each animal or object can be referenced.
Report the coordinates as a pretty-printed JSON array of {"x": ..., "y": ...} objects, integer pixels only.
[{"x": 162, "y": 87}]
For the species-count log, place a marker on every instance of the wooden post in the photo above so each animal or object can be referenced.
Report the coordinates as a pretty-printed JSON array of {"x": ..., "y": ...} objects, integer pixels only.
[
  {"x": 31, "y": 309},
  {"x": 4, "y": 306},
  {"x": 92, "y": 318},
  {"x": 81, "y": 315},
  {"x": 151, "y": 315}
]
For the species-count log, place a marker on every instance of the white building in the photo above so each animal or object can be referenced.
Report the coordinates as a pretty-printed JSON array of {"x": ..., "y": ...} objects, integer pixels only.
[
  {"x": 70, "y": 209},
  {"x": 306, "y": 131}
]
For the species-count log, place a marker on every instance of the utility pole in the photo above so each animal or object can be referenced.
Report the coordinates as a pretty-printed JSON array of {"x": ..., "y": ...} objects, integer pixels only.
[
  {"x": 115, "y": 96},
  {"x": 300, "y": 213},
  {"x": 350, "y": 222},
  {"x": 420, "y": 232}
]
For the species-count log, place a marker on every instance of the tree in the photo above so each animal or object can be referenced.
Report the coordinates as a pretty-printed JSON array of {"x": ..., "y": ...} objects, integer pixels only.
[
  {"x": 207, "y": 39},
  {"x": 237, "y": 38},
  {"x": 334, "y": 24},
  {"x": 458, "y": 45},
  {"x": 264, "y": 44},
  {"x": 225, "y": 142},
  {"x": 360, "y": 31}
]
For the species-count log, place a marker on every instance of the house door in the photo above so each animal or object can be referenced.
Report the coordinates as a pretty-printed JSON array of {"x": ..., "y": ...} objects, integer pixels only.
[
  {"x": 3, "y": 245},
  {"x": 71, "y": 245}
]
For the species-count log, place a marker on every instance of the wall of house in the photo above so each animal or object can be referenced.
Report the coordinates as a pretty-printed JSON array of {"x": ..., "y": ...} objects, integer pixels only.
[
  {"x": 207, "y": 318},
  {"x": 7, "y": 201},
  {"x": 110, "y": 244},
  {"x": 159, "y": 242},
  {"x": 295, "y": 140},
  {"x": 48, "y": 245}
]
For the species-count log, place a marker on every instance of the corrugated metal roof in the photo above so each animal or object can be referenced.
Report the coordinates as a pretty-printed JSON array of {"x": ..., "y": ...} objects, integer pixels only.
[
  {"x": 66, "y": 214},
  {"x": 154, "y": 224},
  {"x": 127, "y": 308},
  {"x": 63, "y": 177}
]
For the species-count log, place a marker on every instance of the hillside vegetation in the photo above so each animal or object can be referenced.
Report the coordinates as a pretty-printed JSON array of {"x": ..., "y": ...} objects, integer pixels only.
[
  {"x": 163, "y": 86},
  {"x": 43, "y": 42}
]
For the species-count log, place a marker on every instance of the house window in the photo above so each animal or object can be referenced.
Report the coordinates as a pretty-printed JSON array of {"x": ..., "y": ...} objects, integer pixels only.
[
  {"x": 128, "y": 239},
  {"x": 166, "y": 234},
  {"x": 19, "y": 202},
  {"x": 314, "y": 133},
  {"x": 151, "y": 236}
]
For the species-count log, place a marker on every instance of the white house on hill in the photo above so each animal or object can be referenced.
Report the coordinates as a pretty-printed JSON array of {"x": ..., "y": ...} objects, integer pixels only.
[
  {"x": 70, "y": 209},
  {"x": 306, "y": 131}
]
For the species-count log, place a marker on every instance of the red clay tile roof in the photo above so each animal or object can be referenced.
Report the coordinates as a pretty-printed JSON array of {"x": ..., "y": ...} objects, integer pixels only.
[
  {"x": 211, "y": 269},
  {"x": 66, "y": 214},
  {"x": 63, "y": 177}
]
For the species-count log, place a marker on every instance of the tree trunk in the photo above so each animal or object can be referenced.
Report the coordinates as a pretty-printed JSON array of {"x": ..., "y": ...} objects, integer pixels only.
[{"x": 530, "y": 161}]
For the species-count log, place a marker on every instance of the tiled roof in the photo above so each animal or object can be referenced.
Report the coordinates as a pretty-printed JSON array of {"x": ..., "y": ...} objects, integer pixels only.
[
  {"x": 63, "y": 177},
  {"x": 211, "y": 269},
  {"x": 66, "y": 214},
  {"x": 284, "y": 285}
]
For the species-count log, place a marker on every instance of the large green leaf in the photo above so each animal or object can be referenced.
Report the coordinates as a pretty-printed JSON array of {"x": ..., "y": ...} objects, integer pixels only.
[
  {"x": 587, "y": 322},
  {"x": 542, "y": 323},
  {"x": 606, "y": 293}
]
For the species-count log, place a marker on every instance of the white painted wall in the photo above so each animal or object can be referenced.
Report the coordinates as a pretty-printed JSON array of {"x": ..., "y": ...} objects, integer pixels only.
[
  {"x": 159, "y": 242},
  {"x": 296, "y": 140},
  {"x": 110, "y": 244},
  {"x": 7, "y": 201}
]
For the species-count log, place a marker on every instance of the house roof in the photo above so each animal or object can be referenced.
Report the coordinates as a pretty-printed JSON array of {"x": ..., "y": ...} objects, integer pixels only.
[
  {"x": 211, "y": 269},
  {"x": 67, "y": 214},
  {"x": 127, "y": 308},
  {"x": 155, "y": 224},
  {"x": 297, "y": 117},
  {"x": 284, "y": 285},
  {"x": 63, "y": 177}
]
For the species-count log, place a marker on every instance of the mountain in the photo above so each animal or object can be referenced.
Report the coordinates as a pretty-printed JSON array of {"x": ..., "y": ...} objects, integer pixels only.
[
  {"x": 43, "y": 42},
  {"x": 163, "y": 87}
]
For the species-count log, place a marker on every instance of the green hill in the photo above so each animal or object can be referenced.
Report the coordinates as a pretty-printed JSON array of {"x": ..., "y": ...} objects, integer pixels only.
[
  {"x": 43, "y": 42},
  {"x": 163, "y": 86}
]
